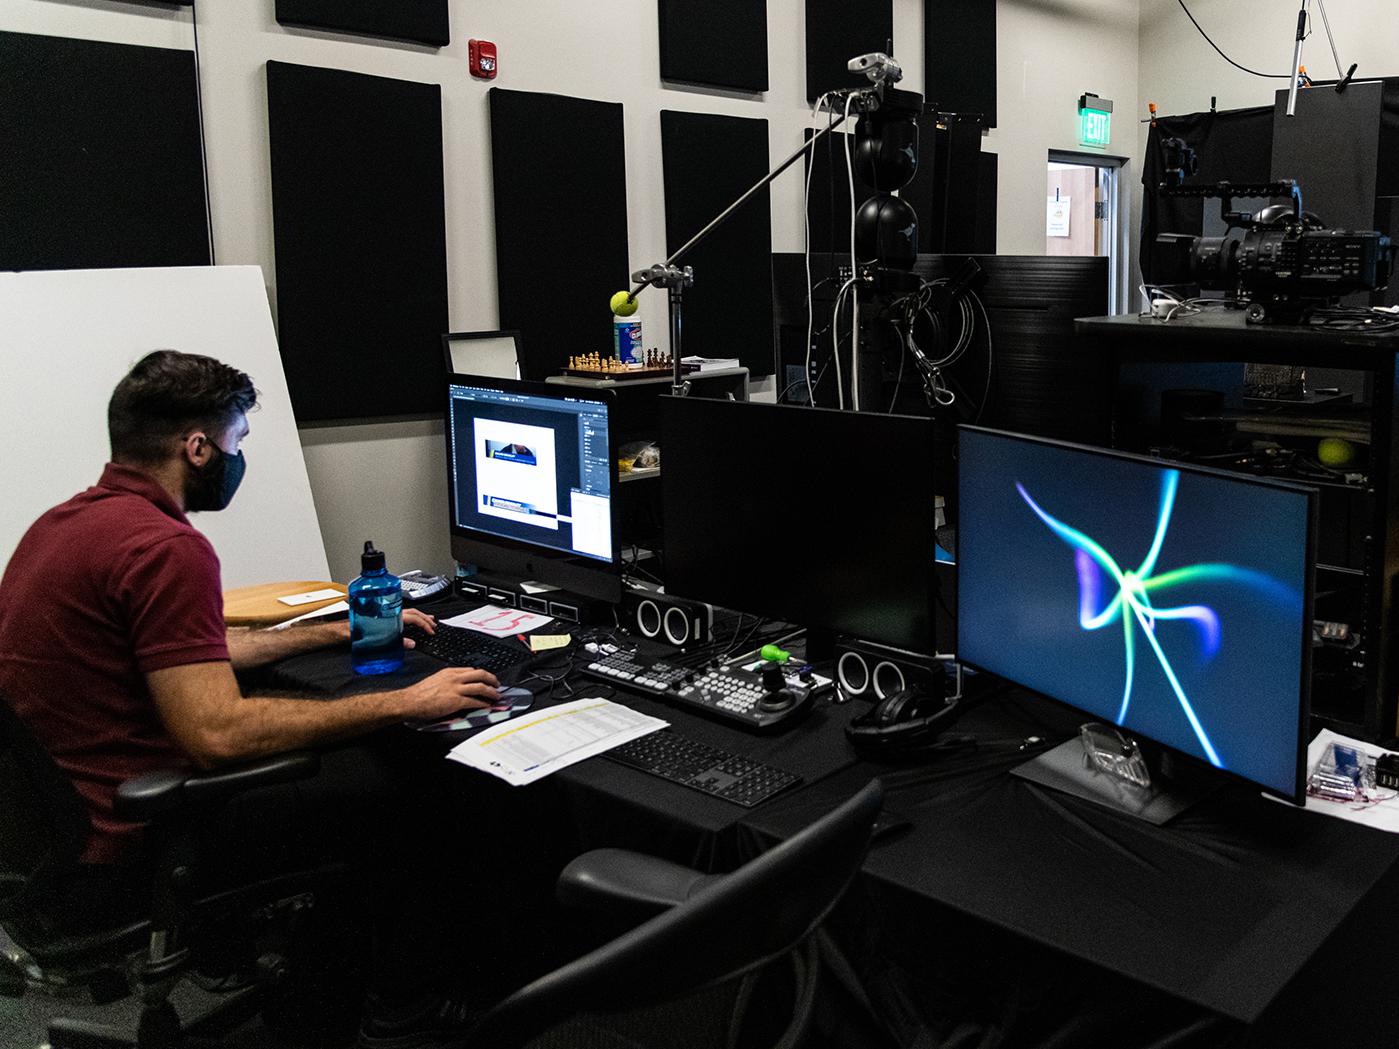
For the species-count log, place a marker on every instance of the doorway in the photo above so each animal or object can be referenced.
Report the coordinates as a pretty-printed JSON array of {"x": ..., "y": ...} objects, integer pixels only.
[{"x": 1083, "y": 215}]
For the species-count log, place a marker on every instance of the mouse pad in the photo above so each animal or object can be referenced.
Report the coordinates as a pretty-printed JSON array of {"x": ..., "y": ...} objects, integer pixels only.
[{"x": 512, "y": 701}]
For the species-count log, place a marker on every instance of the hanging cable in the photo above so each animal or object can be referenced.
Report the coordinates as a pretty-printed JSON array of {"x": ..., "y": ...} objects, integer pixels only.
[
  {"x": 203, "y": 148},
  {"x": 854, "y": 269},
  {"x": 835, "y": 341},
  {"x": 1236, "y": 65},
  {"x": 806, "y": 251}
]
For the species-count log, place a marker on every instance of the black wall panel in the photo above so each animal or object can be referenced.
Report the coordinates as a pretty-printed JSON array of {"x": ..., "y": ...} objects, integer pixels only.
[
  {"x": 837, "y": 31},
  {"x": 718, "y": 42},
  {"x": 357, "y": 201},
  {"x": 99, "y": 156},
  {"x": 1332, "y": 148},
  {"x": 959, "y": 49},
  {"x": 560, "y": 180},
  {"x": 1232, "y": 144},
  {"x": 709, "y": 161},
  {"x": 423, "y": 21}
]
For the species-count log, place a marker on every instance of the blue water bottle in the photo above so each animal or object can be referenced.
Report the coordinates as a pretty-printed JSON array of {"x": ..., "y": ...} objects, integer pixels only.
[{"x": 376, "y": 616}]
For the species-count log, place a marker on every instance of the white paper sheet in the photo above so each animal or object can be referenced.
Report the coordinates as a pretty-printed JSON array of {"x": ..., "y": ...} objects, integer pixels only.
[
  {"x": 499, "y": 622},
  {"x": 328, "y": 610},
  {"x": 307, "y": 598},
  {"x": 1380, "y": 814},
  {"x": 528, "y": 748}
]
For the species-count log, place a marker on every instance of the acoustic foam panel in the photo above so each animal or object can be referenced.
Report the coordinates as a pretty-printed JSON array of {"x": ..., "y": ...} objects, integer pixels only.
[
  {"x": 360, "y": 237},
  {"x": 421, "y": 21},
  {"x": 959, "y": 49},
  {"x": 837, "y": 31},
  {"x": 951, "y": 152},
  {"x": 560, "y": 178},
  {"x": 718, "y": 42},
  {"x": 99, "y": 156},
  {"x": 709, "y": 161}
]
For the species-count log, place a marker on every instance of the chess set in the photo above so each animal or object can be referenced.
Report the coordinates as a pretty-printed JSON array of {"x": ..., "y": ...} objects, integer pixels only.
[{"x": 595, "y": 366}]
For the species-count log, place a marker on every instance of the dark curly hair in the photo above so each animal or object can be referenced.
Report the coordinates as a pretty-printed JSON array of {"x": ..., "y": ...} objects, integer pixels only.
[{"x": 166, "y": 394}]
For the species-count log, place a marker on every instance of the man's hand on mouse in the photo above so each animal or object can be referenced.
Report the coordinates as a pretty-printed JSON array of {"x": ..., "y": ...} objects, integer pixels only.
[{"x": 451, "y": 690}]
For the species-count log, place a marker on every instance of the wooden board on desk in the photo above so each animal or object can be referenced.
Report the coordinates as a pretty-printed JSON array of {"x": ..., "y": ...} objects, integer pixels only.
[{"x": 259, "y": 605}]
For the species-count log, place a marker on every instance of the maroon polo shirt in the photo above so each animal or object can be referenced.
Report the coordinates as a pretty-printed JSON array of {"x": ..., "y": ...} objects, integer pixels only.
[{"x": 102, "y": 590}]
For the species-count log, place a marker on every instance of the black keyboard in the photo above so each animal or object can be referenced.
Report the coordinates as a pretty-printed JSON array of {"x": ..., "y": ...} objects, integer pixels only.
[
  {"x": 704, "y": 768},
  {"x": 458, "y": 647}
]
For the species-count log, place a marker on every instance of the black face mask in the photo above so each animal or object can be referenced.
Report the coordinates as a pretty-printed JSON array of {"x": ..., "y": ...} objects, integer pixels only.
[{"x": 215, "y": 483}]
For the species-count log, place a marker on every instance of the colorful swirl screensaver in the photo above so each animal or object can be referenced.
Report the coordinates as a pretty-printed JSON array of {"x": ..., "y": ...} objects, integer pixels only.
[{"x": 1166, "y": 602}]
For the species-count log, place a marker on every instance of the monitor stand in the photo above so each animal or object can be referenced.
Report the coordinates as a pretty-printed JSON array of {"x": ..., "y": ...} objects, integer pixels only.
[{"x": 1175, "y": 784}]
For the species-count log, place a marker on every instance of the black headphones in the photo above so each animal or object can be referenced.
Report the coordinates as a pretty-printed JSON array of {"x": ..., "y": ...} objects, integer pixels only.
[{"x": 905, "y": 720}]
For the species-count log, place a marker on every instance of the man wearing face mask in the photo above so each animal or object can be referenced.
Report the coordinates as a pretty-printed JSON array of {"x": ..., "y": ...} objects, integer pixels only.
[{"x": 114, "y": 651}]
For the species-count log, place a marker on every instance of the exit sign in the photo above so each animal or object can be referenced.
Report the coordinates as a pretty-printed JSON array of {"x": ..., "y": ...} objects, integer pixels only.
[{"x": 1094, "y": 121}]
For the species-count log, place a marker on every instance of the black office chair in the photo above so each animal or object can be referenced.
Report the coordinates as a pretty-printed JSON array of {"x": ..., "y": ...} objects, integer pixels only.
[
  {"x": 701, "y": 931},
  {"x": 43, "y": 830}
]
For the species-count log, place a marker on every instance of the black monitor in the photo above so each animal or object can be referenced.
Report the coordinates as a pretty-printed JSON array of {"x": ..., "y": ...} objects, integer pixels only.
[
  {"x": 532, "y": 472},
  {"x": 1171, "y": 601},
  {"x": 818, "y": 517}
]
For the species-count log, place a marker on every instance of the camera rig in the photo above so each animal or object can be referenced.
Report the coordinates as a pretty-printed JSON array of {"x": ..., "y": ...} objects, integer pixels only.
[{"x": 1286, "y": 263}]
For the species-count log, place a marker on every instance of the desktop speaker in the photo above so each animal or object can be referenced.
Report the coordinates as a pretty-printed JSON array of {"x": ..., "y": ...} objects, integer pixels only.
[
  {"x": 868, "y": 671},
  {"x": 673, "y": 620}
]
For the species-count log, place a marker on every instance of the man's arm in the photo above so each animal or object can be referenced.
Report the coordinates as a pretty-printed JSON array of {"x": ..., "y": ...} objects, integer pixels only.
[
  {"x": 249, "y": 648},
  {"x": 214, "y": 724}
]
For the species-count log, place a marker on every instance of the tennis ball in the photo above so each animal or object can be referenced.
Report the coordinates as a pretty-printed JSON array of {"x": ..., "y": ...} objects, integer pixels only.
[
  {"x": 1334, "y": 451},
  {"x": 623, "y": 305}
]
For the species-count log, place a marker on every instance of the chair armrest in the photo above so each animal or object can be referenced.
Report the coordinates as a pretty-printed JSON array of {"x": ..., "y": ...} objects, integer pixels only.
[
  {"x": 631, "y": 885},
  {"x": 167, "y": 792}
]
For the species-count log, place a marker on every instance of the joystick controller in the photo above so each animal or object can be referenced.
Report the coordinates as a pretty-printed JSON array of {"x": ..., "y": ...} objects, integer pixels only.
[{"x": 778, "y": 696}]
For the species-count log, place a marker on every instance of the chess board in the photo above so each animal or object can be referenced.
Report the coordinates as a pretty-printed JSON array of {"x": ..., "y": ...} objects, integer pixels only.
[{"x": 621, "y": 375}]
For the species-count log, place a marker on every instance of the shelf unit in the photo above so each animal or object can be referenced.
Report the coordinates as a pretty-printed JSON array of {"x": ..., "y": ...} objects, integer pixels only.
[{"x": 1358, "y": 547}]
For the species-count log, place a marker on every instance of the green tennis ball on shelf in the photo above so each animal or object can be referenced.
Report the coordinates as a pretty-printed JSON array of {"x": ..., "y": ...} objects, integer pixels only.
[
  {"x": 623, "y": 305},
  {"x": 1335, "y": 451}
]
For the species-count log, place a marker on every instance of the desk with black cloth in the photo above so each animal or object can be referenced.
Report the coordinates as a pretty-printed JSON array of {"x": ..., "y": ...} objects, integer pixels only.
[
  {"x": 1004, "y": 914},
  {"x": 1010, "y": 915},
  {"x": 606, "y": 803}
]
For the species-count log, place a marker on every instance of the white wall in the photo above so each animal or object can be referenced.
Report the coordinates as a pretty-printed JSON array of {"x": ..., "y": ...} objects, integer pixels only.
[
  {"x": 1050, "y": 52},
  {"x": 1180, "y": 71}
]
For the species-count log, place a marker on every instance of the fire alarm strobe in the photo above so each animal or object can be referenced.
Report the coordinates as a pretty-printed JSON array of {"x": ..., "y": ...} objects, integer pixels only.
[{"x": 483, "y": 58}]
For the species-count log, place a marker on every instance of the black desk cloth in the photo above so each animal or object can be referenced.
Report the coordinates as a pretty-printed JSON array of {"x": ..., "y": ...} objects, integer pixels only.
[{"x": 1006, "y": 914}]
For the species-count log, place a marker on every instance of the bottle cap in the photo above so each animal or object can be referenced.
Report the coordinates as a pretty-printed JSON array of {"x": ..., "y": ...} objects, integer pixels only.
[{"x": 371, "y": 560}]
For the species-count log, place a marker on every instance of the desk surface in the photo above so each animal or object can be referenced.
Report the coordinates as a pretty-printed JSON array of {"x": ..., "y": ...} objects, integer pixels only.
[
  {"x": 1222, "y": 908},
  {"x": 1229, "y": 907}
]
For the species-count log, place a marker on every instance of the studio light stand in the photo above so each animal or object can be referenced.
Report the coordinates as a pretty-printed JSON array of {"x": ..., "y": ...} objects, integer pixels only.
[
  {"x": 882, "y": 71},
  {"x": 1343, "y": 78},
  {"x": 669, "y": 275}
]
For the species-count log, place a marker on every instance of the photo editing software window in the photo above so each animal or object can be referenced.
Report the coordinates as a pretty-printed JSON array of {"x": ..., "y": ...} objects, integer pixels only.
[{"x": 533, "y": 469}]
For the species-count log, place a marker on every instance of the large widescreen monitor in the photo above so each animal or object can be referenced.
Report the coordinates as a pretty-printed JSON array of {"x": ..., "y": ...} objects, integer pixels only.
[
  {"x": 818, "y": 517},
  {"x": 532, "y": 472},
  {"x": 1169, "y": 600}
]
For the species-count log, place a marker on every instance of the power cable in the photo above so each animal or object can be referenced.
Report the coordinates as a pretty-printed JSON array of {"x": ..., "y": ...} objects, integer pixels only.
[{"x": 1236, "y": 65}]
